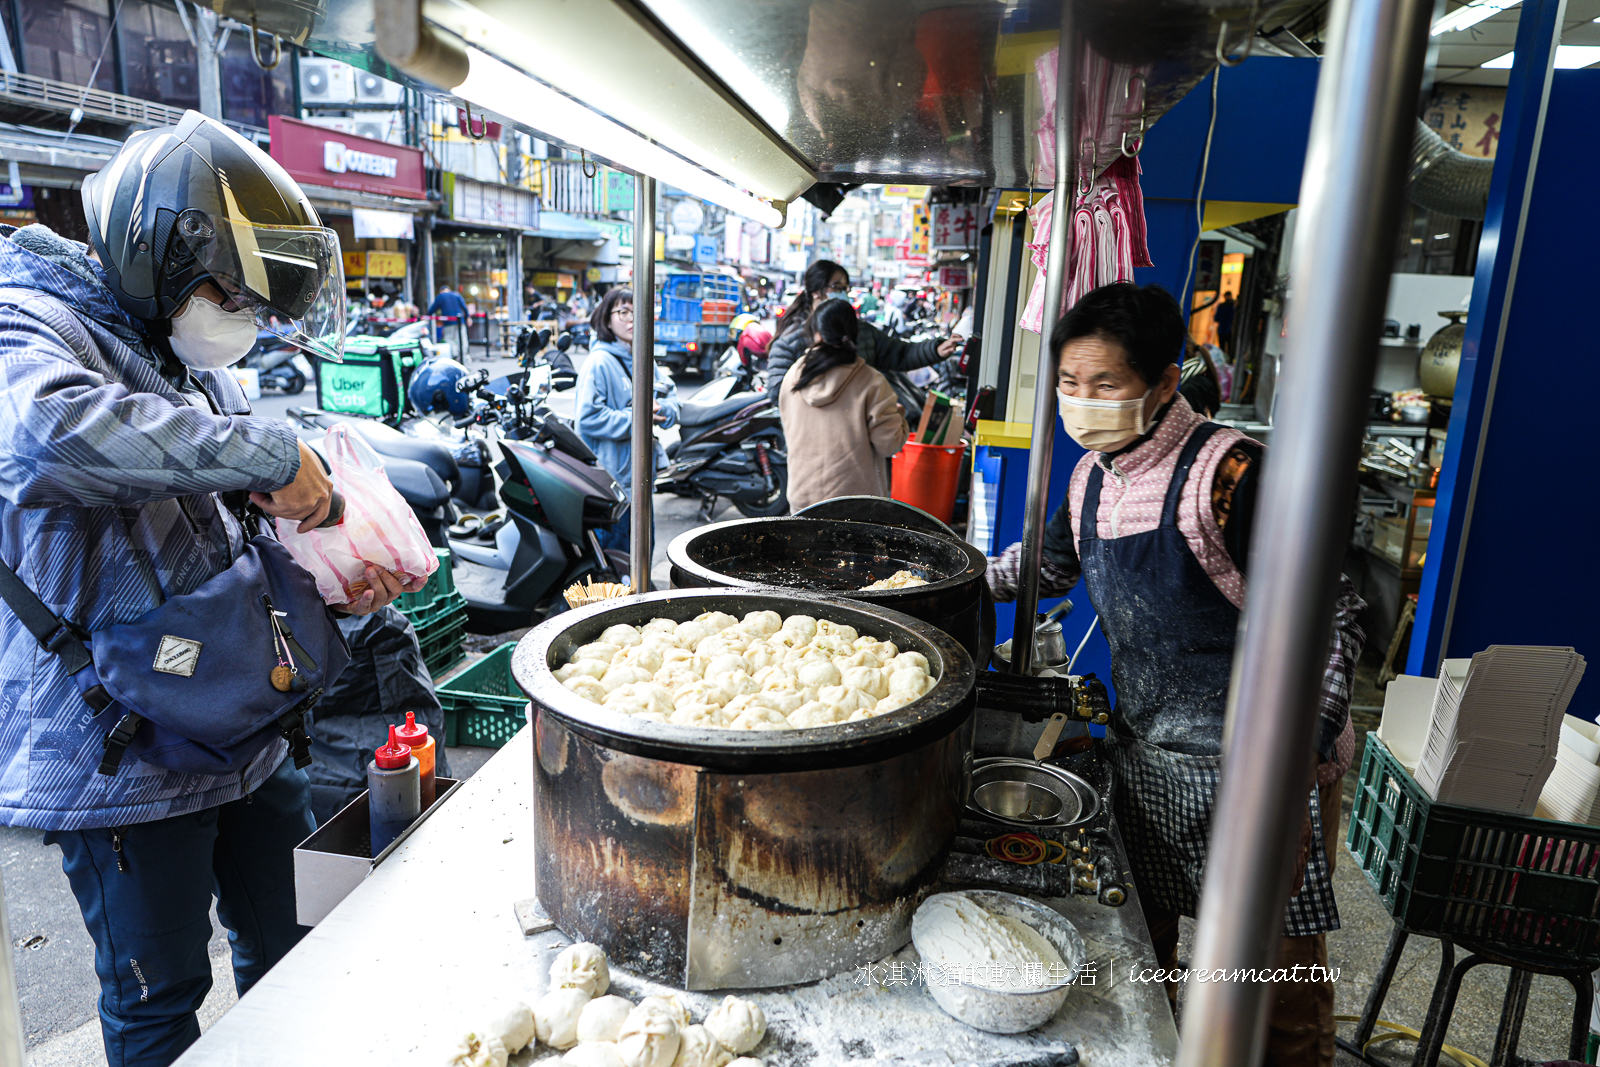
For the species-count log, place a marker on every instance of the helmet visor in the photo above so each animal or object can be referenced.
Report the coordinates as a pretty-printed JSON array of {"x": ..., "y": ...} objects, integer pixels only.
[{"x": 291, "y": 276}]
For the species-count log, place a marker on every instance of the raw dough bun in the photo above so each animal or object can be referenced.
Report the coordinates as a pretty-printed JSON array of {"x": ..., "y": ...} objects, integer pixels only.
[
  {"x": 910, "y": 683},
  {"x": 707, "y": 691},
  {"x": 827, "y": 627},
  {"x": 763, "y": 622},
  {"x": 691, "y": 633},
  {"x": 593, "y": 1054},
  {"x": 890, "y": 703},
  {"x": 867, "y": 679},
  {"x": 698, "y": 715},
  {"x": 783, "y": 700},
  {"x": 581, "y": 966},
  {"x": 671, "y": 1003},
  {"x": 816, "y": 673},
  {"x": 844, "y": 697},
  {"x": 648, "y": 657},
  {"x": 815, "y": 713},
  {"x": 733, "y": 639},
  {"x": 556, "y": 1016},
  {"x": 639, "y": 696},
  {"x": 738, "y": 685},
  {"x": 726, "y": 662},
  {"x": 584, "y": 668},
  {"x": 621, "y": 634},
  {"x": 910, "y": 659},
  {"x": 864, "y": 713},
  {"x": 762, "y": 654},
  {"x": 802, "y": 624},
  {"x": 757, "y": 717},
  {"x": 586, "y": 687},
  {"x": 793, "y": 640},
  {"x": 478, "y": 1050},
  {"x": 621, "y": 675},
  {"x": 738, "y": 1024},
  {"x": 832, "y": 644},
  {"x": 672, "y": 654},
  {"x": 697, "y": 1048},
  {"x": 599, "y": 650},
  {"x": 716, "y": 621},
  {"x": 862, "y": 658},
  {"x": 649, "y": 1037},
  {"x": 602, "y": 1018},
  {"x": 884, "y": 650},
  {"x": 676, "y": 677},
  {"x": 774, "y": 678},
  {"x": 659, "y": 626},
  {"x": 513, "y": 1026}
]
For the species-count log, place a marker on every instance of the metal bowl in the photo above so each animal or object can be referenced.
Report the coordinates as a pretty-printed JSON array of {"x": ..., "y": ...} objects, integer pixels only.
[
  {"x": 1079, "y": 801},
  {"x": 1009, "y": 798},
  {"x": 1008, "y": 1011}
]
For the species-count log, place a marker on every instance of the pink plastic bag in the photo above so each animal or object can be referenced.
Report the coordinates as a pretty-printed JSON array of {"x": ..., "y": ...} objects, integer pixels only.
[{"x": 379, "y": 527}]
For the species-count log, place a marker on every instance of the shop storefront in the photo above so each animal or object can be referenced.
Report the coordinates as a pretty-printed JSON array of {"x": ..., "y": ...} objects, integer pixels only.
[
  {"x": 372, "y": 194},
  {"x": 478, "y": 251}
]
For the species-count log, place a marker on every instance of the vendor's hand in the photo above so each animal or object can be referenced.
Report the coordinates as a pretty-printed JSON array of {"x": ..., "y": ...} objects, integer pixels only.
[
  {"x": 948, "y": 346},
  {"x": 656, "y": 416},
  {"x": 304, "y": 500},
  {"x": 383, "y": 587}
]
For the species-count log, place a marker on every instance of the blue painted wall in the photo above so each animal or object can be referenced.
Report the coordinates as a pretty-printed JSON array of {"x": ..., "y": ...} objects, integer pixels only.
[{"x": 1529, "y": 573}]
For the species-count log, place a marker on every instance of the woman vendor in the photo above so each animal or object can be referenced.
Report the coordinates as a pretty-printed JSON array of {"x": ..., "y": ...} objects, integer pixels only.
[{"x": 1157, "y": 521}]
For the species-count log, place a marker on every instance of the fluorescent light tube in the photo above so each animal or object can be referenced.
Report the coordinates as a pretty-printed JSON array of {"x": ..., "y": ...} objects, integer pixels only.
[
  {"x": 498, "y": 87},
  {"x": 1568, "y": 57},
  {"x": 1471, "y": 14}
]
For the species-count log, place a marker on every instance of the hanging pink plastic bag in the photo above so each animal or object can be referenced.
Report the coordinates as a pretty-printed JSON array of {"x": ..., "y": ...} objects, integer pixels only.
[{"x": 378, "y": 528}]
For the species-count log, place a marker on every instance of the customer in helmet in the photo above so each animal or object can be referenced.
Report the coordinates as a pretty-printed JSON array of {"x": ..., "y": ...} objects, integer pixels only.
[{"x": 127, "y": 460}]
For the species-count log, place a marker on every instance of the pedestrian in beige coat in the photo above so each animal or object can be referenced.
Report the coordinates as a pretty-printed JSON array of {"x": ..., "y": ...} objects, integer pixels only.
[{"x": 839, "y": 415}]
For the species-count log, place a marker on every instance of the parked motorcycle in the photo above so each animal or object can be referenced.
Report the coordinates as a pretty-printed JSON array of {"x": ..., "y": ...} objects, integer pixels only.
[
  {"x": 280, "y": 365},
  {"x": 731, "y": 448}
]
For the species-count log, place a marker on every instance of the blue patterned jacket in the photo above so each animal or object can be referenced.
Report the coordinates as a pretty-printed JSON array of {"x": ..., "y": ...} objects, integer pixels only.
[{"x": 108, "y": 483}]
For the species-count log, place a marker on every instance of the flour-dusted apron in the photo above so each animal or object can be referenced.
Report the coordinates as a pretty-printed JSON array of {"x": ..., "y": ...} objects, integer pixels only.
[{"x": 1172, "y": 633}]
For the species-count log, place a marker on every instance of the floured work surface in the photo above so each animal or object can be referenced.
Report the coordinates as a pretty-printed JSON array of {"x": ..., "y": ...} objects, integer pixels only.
[{"x": 453, "y": 885}]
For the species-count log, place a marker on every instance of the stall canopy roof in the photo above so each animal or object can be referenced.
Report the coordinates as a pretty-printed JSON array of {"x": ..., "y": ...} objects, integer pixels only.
[{"x": 567, "y": 227}]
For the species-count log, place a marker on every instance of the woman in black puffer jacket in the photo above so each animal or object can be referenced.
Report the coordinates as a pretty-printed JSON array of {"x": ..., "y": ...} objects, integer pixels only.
[{"x": 826, "y": 280}]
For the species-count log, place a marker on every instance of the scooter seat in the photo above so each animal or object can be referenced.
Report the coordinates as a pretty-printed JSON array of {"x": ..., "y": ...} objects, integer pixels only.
[
  {"x": 417, "y": 483},
  {"x": 391, "y": 443},
  {"x": 692, "y": 414}
]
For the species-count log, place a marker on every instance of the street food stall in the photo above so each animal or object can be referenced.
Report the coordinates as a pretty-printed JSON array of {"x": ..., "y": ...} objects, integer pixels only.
[{"x": 794, "y": 862}]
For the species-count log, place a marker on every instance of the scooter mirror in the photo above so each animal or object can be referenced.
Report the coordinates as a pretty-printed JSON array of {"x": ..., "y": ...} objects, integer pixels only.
[{"x": 565, "y": 342}]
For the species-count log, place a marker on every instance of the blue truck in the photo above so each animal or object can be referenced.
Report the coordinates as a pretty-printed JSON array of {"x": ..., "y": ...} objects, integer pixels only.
[{"x": 693, "y": 310}]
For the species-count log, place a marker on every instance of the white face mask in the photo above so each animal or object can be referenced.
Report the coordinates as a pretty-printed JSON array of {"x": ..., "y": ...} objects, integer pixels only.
[
  {"x": 1103, "y": 425},
  {"x": 206, "y": 337}
]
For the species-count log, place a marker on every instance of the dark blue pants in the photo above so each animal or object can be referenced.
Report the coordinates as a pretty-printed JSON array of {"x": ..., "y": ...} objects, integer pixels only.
[{"x": 150, "y": 919}]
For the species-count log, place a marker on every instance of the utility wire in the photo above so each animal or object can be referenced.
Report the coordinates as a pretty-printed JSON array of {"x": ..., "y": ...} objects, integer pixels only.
[{"x": 1200, "y": 193}]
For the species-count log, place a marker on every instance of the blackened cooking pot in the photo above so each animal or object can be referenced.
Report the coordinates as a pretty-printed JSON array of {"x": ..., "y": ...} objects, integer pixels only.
[
  {"x": 736, "y": 859},
  {"x": 839, "y": 557}
]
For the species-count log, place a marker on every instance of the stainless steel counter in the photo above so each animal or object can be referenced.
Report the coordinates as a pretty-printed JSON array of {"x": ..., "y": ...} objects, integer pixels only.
[{"x": 425, "y": 949}]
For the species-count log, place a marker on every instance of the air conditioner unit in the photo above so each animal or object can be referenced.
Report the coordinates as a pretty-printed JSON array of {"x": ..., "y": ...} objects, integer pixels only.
[
  {"x": 371, "y": 89},
  {"x": 326, "y": 83},
  {"x": 380, "y": 126},
  {"x": 337, "y": 124}
]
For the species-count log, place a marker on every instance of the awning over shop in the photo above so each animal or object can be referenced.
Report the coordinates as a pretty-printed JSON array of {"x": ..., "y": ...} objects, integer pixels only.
[{"x": 567, "y": 228}]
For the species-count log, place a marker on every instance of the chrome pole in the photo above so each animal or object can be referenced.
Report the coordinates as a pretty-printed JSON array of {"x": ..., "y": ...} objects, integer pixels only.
[
  {"x": 1041, "y": 449},
  {"x": 644, "y": 378},
  {"x": 1344, "y": 251}
]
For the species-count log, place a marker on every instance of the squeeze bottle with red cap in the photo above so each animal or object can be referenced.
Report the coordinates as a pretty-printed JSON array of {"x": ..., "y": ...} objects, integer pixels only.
[
  {"x": 394, "y": 791},
  {"x": 415, "y": 735}
]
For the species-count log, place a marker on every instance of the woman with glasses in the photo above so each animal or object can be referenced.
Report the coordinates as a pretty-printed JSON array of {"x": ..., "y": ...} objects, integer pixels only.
[
  {"x": 605, "y": 401},
  {"x": 825, "y": 280}
]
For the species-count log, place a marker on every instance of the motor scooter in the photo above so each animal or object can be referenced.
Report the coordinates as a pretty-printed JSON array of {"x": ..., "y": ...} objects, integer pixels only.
[
  {"x": 280, "y": 365},
  {"x": 731, "y": 448}
]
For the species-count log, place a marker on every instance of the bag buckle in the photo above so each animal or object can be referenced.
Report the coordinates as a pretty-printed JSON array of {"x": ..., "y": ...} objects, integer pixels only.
[
  {"x": 292, "y": 725},
  {"x": 98, "y": 699},
  {"x": 118, "y": 740}
]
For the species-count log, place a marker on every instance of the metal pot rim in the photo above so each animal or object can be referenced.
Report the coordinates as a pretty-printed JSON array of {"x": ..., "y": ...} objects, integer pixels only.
[
  {"x": 678, "y": 556},
  {"x": 940, "y": 710}
]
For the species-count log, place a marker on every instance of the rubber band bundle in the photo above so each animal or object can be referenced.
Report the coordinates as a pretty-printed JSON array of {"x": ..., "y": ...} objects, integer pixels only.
[{"x": 1025, "y": 849}]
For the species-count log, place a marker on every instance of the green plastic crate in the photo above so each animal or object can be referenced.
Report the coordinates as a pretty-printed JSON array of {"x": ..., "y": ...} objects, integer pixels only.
[
  {"x": 425, "y": 615},
  {"x": 441, "y": 641},
  {"x": 372, "y": 380},
  {"x": 441, "y": 582},
  {"x": 483, "y": 704},
  {"x": 1524, "y": 886}
]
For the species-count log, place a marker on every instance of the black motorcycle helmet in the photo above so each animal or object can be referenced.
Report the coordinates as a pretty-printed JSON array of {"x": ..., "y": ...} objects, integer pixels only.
[{"x": 196, "y": 202}]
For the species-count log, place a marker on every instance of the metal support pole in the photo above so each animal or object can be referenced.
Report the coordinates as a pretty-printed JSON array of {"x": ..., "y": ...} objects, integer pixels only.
[
  {"x": 644, "y": 377},
  {"x": 1042, "y": 447},
  {"x": 1361, "y": 133}
]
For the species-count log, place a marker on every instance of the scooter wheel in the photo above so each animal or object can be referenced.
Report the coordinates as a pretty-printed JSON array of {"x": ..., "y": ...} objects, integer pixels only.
[{"x": 295, "y": 385}]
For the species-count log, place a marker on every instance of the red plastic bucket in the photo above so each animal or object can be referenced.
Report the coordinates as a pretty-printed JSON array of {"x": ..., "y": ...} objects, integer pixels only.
[{"x": 926, "y": 476}]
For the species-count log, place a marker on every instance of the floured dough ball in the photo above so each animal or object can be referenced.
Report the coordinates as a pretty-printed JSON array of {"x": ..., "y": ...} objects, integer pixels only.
[
  {"x": 602, "y": 1018},
  {"x": 556, "y": 1015},
  {"x": 581, "y": 966},
  {"x": 621, "y": 634},
  {"x": 639, "y": 696},
  {"x": 513, "y": 1026},
  {"x": 478, "y": 1050},
  {"x": 869, "y": 680},
  {"x": 690, "y": 634},
  {"x": 659, "y": 626},
  {"x": 716, "y": 621},
  {"x": 784, "y": 700},
  {"x": 815, "y": 713},
  {"x": 788, "y": 640},
  {"x": 756, "y": 717},
  {"x": 704, "y": 691},
  {"x": 738, "y": 1024},
  {"x": 804, "y": 625},
  {"x": 738, "y": 684},
  {"x": 843, "y": 631},
  {"x": 623, "y": 674},
  {"x": 862, "y": 658},
  {"x": 725, "y": 663},
  {"x": 586, "y": 687},
  {"x": 832, "y": 644},
  {"x": 762, "y": 654},
  {"x": 701, "y": 715},
  {"x": 697, "y": 1048},
  {"x": 593, "y": 1054},
  {"x": 816, "y": 673},
  {"x": 763, "y": 622},
  {"x": 649, "y": 1037},
  {"x": 890, "y": 703},
  {"x": 910, "y": 683},
  {"x": 600, "y": 650},
  {"x": 844, "y": 697},
  {"x": 774, "y": 677},
  {"x": 910, "y": 659},
  {"x": 583, "y": 668},
  {"x": 671, "y": 1003},
  {"x": 648, "y": 657}
]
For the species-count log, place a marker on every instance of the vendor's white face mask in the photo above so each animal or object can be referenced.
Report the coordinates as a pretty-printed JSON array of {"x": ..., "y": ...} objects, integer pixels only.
[
  {"x": 1103, "y": 425},
  {"x": 206, "y": 337}
]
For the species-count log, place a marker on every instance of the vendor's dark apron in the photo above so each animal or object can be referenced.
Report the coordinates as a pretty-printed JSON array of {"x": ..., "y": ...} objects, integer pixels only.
[{"x": 1171, "y": 633}]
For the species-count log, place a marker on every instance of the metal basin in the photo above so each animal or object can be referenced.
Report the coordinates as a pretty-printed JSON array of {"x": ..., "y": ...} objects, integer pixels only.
[
  {"x": 1008, "y": 798},
  {"x": 1010, "y": 778}
]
